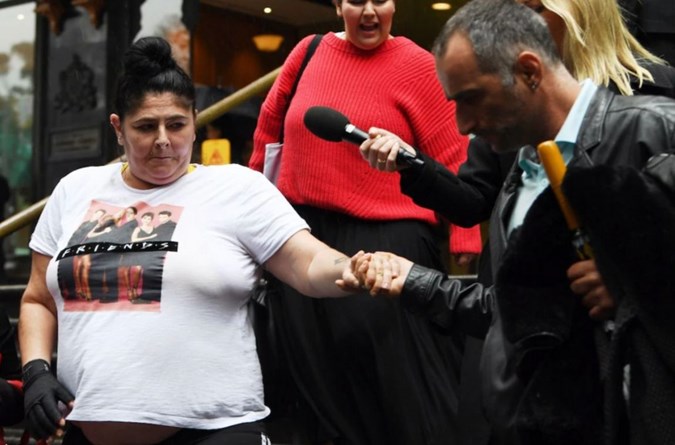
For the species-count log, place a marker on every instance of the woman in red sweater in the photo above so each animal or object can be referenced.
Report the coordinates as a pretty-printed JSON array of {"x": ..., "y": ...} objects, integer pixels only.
[{"x": 371, "y": 373}]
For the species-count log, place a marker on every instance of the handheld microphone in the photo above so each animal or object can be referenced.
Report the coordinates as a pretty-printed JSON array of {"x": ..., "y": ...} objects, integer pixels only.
[
  {"x": 331, "y": 125},
  {"x": 555, "y": 168}
]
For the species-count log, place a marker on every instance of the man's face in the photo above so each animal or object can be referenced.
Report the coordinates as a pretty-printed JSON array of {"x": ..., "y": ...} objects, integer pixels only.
[{"x": 485, "y": 107}]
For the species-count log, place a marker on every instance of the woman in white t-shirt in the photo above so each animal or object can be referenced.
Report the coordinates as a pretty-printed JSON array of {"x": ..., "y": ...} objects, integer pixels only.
[{"x": 182, "y": 368}]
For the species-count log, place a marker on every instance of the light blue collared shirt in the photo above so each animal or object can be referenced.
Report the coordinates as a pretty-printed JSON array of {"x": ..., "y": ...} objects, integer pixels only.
[{"x": 534, "y": 176}]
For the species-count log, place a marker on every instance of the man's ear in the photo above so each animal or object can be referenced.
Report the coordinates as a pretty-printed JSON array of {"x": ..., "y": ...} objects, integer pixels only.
[{"x": 529, "y": 69}]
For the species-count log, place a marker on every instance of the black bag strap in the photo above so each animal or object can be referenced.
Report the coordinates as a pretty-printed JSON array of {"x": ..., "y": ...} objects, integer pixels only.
[{"x": 310, "y": 52}]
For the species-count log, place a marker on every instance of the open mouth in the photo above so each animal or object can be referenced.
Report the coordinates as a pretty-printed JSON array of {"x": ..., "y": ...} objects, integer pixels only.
[{"x": 369, "y": 27}]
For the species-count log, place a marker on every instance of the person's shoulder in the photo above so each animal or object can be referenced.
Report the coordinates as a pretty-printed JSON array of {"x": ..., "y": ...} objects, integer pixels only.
[
  {"x": 292, "y": 63},
  {"x": 663, "y": 83},
  {"x": 92, "y": 172},
  {"x": 653, "y": 101},
  {"x": 301, "y": 47},
  {"x": 85, "y": 178},
  {"x": 644, "y": 107},
  {"x": 412, "y": 61},
  {"x": 236, "y": 183},
  {"x": 234, "y": 172},
  {"x": 307, "y": 39},
  {"x": 404, "y": 44}
]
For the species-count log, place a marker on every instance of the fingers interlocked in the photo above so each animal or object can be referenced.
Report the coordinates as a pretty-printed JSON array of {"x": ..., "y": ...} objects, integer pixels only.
[{"x": 376, "y": 271}]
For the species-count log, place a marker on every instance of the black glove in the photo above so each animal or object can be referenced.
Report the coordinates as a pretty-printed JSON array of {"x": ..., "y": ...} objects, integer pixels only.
[{"x": 42, "y": 393}]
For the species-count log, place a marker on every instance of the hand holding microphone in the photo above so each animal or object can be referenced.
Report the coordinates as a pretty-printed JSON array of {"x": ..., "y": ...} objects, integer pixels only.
[{"x": 382, "y": 149}]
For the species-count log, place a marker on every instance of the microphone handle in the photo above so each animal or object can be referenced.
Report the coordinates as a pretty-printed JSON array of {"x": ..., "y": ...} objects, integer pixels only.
[
  {"x": 354, "y": 135},
  {"x": 357, "y": 136}
]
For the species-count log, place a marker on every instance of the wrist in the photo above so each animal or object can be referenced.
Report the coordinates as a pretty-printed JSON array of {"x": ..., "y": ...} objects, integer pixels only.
[{"x": 33, "y": 370}]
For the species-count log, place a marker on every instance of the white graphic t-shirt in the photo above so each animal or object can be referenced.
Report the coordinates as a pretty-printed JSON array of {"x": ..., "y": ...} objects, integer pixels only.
[{"x": 152, "y": 290}]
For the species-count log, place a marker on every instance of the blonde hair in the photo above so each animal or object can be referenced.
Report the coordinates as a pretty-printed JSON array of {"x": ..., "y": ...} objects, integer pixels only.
[{"x": 598, "y": 45}]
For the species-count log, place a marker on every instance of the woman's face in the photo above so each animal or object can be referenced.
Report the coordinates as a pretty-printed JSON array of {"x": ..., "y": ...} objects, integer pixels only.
[
  {"x": 367, "y": 22},
  {"x": 556, "y": 25},
  {"x": 157, "y": 139}
]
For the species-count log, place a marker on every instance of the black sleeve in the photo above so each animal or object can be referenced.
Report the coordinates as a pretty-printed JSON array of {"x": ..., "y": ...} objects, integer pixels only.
[
  {"x": 447, "y": 302},
  {"x": 467, "y": 198}
]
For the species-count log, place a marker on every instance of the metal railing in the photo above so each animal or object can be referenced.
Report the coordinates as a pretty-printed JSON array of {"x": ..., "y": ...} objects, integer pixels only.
[{"x": 30, "y": 214}]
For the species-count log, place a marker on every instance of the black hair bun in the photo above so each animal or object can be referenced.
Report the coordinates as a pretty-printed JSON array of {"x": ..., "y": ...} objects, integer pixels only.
[{"x": 148, "y": 57}]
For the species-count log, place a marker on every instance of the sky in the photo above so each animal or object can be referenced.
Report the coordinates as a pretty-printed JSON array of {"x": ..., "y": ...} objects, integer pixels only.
[
  {"x": 18, "y": 25},
  {"x": 15, "y": 29}
]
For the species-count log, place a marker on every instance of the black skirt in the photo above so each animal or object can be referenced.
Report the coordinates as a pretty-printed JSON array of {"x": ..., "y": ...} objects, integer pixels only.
[{"x": 368, "y": 371}]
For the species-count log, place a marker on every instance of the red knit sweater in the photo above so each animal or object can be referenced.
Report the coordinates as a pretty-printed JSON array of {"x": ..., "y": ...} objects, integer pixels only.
[{"x": 392, "y": 87}]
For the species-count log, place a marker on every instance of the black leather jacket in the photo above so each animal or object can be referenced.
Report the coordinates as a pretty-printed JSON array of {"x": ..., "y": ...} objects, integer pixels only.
[{"x": 616, "y": 131}]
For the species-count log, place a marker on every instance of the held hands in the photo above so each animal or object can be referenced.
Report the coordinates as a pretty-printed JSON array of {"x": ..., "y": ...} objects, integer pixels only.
[
  {"x": 381, "y": 149},
  {"x": 42, "y": 393},
  {"x": 382, "y": 273},
  {"x": 369, "y": 271},
  {"x": 585, "y": 280},
  {"x": 350, "y": 281}
]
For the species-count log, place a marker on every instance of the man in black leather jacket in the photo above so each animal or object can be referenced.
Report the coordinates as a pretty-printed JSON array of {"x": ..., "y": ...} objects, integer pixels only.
[{"x": 541, "y": 365}]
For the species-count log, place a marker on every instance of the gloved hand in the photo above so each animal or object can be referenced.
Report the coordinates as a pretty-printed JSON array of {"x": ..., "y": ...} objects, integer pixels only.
[{"x": 42, "y": 392}]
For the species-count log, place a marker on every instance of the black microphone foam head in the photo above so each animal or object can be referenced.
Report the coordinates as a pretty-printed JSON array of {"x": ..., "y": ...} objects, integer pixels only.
[{"x": 326, "y": 123}]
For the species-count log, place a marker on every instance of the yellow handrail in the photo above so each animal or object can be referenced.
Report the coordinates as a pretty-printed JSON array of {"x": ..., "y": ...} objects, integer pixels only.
[
  {"x": 237, "y": 98},
  {"x": 30, "y": 214}
]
